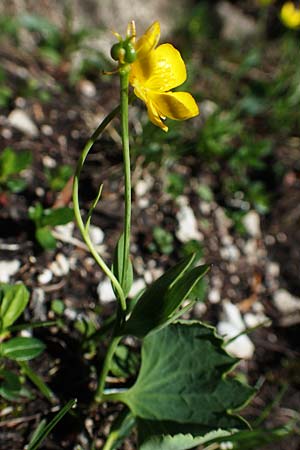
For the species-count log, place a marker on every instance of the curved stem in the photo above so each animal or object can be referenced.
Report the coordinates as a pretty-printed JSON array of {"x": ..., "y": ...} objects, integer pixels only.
[
  {"x": 77, "y": 213},
  {"x": 124, "y": 80}
]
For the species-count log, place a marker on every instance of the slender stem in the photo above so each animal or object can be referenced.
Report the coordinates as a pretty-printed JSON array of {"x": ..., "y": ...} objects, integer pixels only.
[
  {"x": 124, "y": 80},
  {"x": 106, "y": 366},
  {"x": 77, "y": 213},
  {"x": 35, "y": 379}
]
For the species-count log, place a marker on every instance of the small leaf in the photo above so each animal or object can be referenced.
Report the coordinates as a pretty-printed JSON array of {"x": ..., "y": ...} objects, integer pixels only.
[
  {"x": 10, "y": 387},
  {"x": 57, "y": 216},
  {"x": 117, "y": 267},
  {"x": 160, "y": 301},
  {"x": 13, "y": 302},
  {"x": 45, "y": 239},
  {"x": 21, "y": 348},
  {"x": 182, "y": 379},
  {"x": 125, "y": 363},
  {"x": 12, "y": 163},
  {"x": 35, "y": 213}
]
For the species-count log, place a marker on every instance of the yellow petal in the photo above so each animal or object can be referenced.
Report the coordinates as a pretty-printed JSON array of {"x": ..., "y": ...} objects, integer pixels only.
[
  {"x": 175, "y": 105},
  {"x": 162, "y": 70},
  {"x": 148, "y": 41},
  {"x": 154, "y": 116},
  {"x": 290, "y": 15}
]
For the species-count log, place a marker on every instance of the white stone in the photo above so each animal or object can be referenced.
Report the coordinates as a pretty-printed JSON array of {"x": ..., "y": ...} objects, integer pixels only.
[
  {"x": 273, "y": 269},
  {"x": 8, "y": 269},
  {"x": 49, "y": 162},
  {"x": 105, "y": 292},
  {"x": 250, "y": 249},
  {"x": 70, "y": 313},
  {"x": 38, "y": 304},
  {"x": 142, "y": 187},
  {"x": 255, "y": 320},
  {"x": 214, "y": 295},
  {"x": 143, "y": 203},
  {"x": 60, "y": 266},
  {"x": 207, "y": 108},
  {"x": 137, "y": 287},
  {"x": 230, "y": 326},
  {"x": 199, "y": 309},
  {"x": 45, "y": 277},
  {"x": 251, "y": 222},
  {"x": 187, "y": 222},
  {"x": 22, "y": 122},
  {"x": 65, "y": 231},
  {"x": 96, "y": 235},
  {"x": 230, "y": 253},
  {"x": 87, "y": 88},
  {"x": 285, "y": 302},
  {"x": 47, "y": 130}
]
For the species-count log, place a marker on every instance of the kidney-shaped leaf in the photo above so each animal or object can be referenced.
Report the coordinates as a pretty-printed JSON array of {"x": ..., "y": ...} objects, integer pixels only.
[
  {"x": 21, "y": 348},
  {"x": 160, "y": 301},
  {"x": 13, "y": 301},
  {"x": 182, "y": 379}
]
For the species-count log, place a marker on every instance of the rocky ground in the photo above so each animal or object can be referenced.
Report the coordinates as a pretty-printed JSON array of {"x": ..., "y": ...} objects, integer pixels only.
[{"x": 253, "y": 283}]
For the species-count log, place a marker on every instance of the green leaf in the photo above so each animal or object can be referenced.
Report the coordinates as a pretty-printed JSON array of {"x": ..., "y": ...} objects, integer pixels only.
[
  {"x": 40, "y": 435},
  {"x": 35, "y": 213},
  {"x": 12, "y": 163},
  {"x": 21, "y": 348},
  {"x": 45, "y": 239},
  {"x": 57, "y": 216},
  {"x": 117, "y": 267},
  {"x": 160, "y": 301},
  {"x": 180, "y": 441},
  {"x": 182, "y": 379},
  {"x": 16, "y": 185},
  {"x": 120, "y": 429},
  {"x": 13, "y": 301},
  {"x": 125, "y": 362},
  {"x": 10, "y": 388}
]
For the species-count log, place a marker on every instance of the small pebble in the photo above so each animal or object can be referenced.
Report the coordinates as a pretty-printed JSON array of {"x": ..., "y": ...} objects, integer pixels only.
[
  {"x": 87, "y": 88},
  {"x": 137, "y": 287},
  {"x": 96, "y": 235},
  {"x": 187, "y": 222},
  {"x": 20, "y": 120},
  {"x": 8, "y": 269},
  {"x": 251, "y": 222},
  {"x": 230, "y": 326},
  {"x": 285, "y": 302},
  {"x": 45, "y": 277},
  {"x": 47, "y": 130},
  {"x": 105, "y": 292},
  {"x": 214, "y": 296}
]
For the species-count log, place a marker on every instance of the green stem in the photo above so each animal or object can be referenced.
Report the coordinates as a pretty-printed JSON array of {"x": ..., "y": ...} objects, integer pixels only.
[
  {"x": 81, "y": 225},
  {"x": 124, "y": 80},
  {"x": 106, "y": 366},
  {"x": 35, "y": 379}
]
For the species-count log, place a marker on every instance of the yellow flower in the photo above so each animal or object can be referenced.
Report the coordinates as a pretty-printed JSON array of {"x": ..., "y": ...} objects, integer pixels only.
[
  {"x": 290, "y": 15},
  {"x": 155, "y": 72}
]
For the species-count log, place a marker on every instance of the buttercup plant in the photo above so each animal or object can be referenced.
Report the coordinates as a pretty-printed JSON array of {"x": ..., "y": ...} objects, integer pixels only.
[{"x": 182, "y": 396}]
